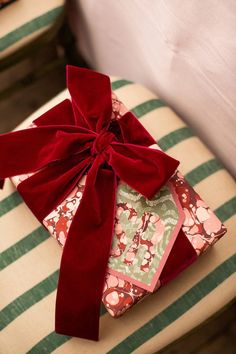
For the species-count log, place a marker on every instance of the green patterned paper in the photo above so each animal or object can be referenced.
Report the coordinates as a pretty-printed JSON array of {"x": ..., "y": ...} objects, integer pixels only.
[{"x": 144, "y": 233}]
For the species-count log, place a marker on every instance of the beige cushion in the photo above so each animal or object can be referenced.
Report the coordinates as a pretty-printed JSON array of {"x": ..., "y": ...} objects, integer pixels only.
[
  {"x": 24, "y": 21},
  {"x": 30, "y": 258}
]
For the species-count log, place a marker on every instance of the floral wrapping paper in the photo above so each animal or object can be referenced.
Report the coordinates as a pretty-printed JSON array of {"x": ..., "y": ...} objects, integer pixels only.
[{"x": 200, "y": 225}]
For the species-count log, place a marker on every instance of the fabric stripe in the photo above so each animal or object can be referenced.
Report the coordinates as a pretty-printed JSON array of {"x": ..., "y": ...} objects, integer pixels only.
[
  {"x": 203, "y": 171},
  {"x": 49, "y": 343},
  {"x": 23, "y": 246},
  {"x": 177, "y": 308},
  {"x": 175, "y": 137},
  {"x": 147, "y": 107},
  {"x": 120, "y": 83},
  {"x": 30, "y": 27},
  {"x": 10, "y": 203},
  {"x": 31, "y": 297},
  {"x": 28, "y": 299},
  {"x": 53, "y": 340},
  {"x": 228, "y": 209}
]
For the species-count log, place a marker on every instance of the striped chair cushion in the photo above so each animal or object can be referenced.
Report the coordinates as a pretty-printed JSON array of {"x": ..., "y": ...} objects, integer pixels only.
[
  {"x": 24, "y": 21},
  {"x": 30, "y": 257}
]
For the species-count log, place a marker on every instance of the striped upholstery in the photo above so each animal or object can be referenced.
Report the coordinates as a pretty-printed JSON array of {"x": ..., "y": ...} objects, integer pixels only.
[
  {"x": 30, "y": 258},
  {"x": 24, "y": 21}
]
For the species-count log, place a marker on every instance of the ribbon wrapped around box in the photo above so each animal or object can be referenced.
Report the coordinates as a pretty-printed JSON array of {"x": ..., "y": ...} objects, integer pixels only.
[{"x": 98, "y": 182}]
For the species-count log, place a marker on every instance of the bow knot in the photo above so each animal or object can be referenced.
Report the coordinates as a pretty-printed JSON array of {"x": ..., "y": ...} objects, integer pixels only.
[{"x": 101, "y": 142}]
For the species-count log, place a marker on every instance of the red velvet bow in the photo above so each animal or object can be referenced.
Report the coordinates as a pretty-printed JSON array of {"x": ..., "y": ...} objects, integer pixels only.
[{"x": 73, "y": 138}]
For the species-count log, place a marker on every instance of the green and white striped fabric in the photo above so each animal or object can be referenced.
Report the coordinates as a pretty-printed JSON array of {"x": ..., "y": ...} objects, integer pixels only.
[
  {"x": 25, "y": 21},
  {"x": 30, "y": 257}
]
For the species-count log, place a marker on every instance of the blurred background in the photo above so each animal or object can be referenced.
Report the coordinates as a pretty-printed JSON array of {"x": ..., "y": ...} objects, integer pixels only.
[{"x": 37, "y": 40}]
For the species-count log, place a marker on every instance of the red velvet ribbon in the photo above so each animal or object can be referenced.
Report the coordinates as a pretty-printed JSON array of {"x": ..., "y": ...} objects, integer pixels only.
[{"x": 73, "y": 138}]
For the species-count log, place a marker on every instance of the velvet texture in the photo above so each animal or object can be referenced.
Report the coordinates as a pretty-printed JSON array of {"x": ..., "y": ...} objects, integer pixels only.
[{"x": 74, "y": 138}]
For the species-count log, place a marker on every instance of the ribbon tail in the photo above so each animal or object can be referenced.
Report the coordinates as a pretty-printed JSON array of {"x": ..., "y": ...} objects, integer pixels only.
[{"x": 85, "y": 257}]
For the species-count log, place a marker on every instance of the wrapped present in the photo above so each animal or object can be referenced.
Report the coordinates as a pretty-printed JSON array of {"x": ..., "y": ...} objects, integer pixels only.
[{"x": 128, "y": 222}]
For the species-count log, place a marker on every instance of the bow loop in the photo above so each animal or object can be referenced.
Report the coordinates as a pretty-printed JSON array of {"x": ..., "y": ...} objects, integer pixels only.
[
  {"x": 133, "y": 132},
  {"x": 91, "y": 96},
  {"x": 143, "y": 169}
]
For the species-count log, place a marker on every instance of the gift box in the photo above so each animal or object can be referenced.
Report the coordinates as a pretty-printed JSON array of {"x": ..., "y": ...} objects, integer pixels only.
[{"x": 155, "y": 236}]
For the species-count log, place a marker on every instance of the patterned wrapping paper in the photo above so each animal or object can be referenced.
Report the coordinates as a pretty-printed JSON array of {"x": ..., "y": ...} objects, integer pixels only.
[
  {"x": 201, "y": 227},
  {"x": 199, "y": 224}
]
